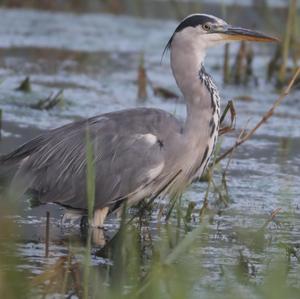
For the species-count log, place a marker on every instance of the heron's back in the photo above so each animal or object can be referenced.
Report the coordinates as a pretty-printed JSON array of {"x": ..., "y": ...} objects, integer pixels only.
[{"x": 130, "y": 148}]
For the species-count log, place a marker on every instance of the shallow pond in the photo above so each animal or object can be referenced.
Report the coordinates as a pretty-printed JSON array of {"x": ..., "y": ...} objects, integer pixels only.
[{"x": 94, "y": 58}]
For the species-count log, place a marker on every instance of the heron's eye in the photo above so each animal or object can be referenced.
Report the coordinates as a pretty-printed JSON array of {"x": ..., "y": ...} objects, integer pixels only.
[{"x": 206, "y": 26}]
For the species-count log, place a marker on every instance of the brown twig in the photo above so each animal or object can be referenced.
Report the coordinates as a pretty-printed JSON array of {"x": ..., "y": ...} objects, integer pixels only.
[
  {"x": 264, "y": 118},
  {"x": 271, "y": 218}
]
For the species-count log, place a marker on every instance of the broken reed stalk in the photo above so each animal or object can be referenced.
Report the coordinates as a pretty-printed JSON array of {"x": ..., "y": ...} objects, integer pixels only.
[
  {"x": 142, "y": 79},
  {"x": 265, "y": 117},
  {"x": 47, "y": 234},
  {"x": 249, "y": 60},
  {"x": 240, "y": 64},
  {"x": 50, "y": 102},
  {"x": 296, "y": 41},
  {"x": 292, "y": 11},
  {"x": 25, "y": 85},
  {"x": 273, "y": 64}
]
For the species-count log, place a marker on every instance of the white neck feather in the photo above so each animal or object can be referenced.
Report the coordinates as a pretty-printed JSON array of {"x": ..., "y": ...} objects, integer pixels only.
[{"x": 186, "y": 61}]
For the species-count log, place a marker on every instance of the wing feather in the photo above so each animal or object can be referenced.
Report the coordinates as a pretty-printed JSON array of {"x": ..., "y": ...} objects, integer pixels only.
[{"x": 56, "y": 161}]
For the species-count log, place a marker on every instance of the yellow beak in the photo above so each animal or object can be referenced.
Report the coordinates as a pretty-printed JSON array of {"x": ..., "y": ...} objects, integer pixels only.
[{"x": 237, "y": 33}]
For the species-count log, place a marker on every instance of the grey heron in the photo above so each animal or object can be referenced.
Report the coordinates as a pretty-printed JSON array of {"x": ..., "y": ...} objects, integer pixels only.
[{"x": 138, "y": 153}]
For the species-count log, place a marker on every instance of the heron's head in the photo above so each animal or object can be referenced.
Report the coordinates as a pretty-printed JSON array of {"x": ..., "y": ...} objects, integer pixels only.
[{"x": 201, "y": 31}]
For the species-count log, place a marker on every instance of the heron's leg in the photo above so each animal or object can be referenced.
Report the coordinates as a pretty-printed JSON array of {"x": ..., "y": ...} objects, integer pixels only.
[
  {"x": 98, "y": 237},
  {"x": 99, "y": 217}
]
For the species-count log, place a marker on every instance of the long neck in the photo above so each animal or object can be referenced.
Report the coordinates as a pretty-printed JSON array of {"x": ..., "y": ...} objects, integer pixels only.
[{"x": 196, "y": 86}]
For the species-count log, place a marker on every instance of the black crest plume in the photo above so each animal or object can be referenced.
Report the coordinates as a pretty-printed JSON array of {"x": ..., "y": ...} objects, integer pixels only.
[{"x": 190, "y": 21}]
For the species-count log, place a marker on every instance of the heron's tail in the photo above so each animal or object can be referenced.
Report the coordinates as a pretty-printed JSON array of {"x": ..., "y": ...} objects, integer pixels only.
[
  {"x": 13, "y": 157},
  {"x": 21, "y": 153}
]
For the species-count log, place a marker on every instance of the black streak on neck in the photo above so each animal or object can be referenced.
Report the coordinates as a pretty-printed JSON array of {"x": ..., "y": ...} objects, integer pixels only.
[{"x": 206, "y": 79}]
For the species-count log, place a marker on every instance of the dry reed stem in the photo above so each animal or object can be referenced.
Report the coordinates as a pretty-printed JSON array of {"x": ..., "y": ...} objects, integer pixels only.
[
  {"x": 142, "y": 80},
  {"x": 264, "y": 118},
  {"x": 292, "y": 9}
]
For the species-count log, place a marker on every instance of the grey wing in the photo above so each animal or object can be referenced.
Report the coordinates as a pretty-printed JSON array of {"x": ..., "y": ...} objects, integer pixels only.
[{"x": 126, "y": 160}]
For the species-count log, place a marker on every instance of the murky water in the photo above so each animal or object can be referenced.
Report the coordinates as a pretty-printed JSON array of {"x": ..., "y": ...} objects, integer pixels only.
[{"x": 94, "y": 59}]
